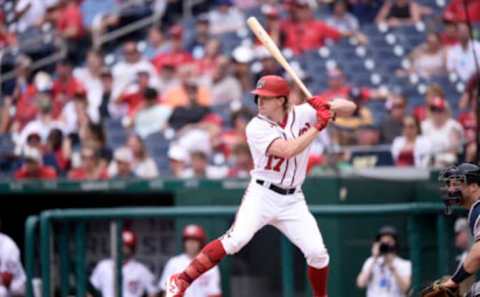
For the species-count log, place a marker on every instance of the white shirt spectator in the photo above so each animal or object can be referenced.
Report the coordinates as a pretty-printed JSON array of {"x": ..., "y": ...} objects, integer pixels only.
[
  {"x": 206, "y": 285},
  {"x": 442, "y": 140},
  {"x": 42, "y": 128},
  {"x": 70, "y": 117},
  {"x": 125, "y": 74},
  {"x": 34, "y": 14},
  {"x": 137, "y": 279},
  {"x": 462, "y": 60},
  {"x": 146, "y": 169},
  {"x": 421, "y": 151},
  {"x": 382, "y": 282},
  {"x": 232, "y": 21},
  {"x": 93, "y": 86},
  {"x": 226, "y": 90},
  {"x": 10, "y": 263},
  {"x": 150, "y": 120}
]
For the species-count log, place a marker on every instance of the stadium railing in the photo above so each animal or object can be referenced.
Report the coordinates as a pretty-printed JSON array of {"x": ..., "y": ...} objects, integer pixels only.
[{"x": 117, "y": 215}]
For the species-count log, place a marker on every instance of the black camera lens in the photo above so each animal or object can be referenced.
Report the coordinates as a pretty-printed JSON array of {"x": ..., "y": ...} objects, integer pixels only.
[{"x": 385, "y": 248}]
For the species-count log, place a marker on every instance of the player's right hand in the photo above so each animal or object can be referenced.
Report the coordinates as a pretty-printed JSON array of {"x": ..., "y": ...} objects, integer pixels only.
[{"x": 323, "y": 117}]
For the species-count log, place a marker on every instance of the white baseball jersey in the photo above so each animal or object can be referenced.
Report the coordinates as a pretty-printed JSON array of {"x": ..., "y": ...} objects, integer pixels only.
[
  {"x": 10, "y": 262},
  {"x": 261, "y": 132},
  {"x": 206, "y": 285},
  {"x": 137, "y": 279}
]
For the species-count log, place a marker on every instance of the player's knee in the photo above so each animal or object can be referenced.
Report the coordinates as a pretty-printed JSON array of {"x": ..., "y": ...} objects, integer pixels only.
[
  {"x": 317, "y": 257},
  {"x": 234, "y": 243}
]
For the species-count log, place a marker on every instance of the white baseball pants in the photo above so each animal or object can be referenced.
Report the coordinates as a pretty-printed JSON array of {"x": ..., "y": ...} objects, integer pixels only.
[{"x": 288, "y": 213}]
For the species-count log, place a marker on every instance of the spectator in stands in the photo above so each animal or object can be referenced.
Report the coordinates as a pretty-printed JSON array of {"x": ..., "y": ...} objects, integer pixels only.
[
  {"x": 157, "y": 44},
  {"x": 396, "y": 13},
  {"x": 143, "y": 165},
  {"x": 449, "y": 35},
  {"x": 26, "y": 105},
  {"x": 226, "y": 18},
  {"x": 194, "y": 239},
  {"x": 273, "y": 25},
  {"x": 69, "y": 23},
  {"x": 201, "y": 169},
  {"x": 90, "y": 76},
  {"x": 125, "y": 72},
  {"x": 411, "y": 149},
  {"x": 367, "y": 135},
  {"x": 206, "y": 64},
  {"x": 190, "y": 103},
  {"x": 463, "y": 240},
  {"x": 443, "y": 132},
  {"x": 57, "y": 151},
  {"x": 461, "y": 57},
  {"x": 33, "y": 168},
  {"x": 242, "y": 161},
  {"x": 29, "y": 13},
  {"x": 344, "y": 21},
  {"x": 93, "y": 136},
  {"x": 138, "y": 279},
  {"x": 242, "y": 57},
  {"x": 122, "y": 165},
  {"x": 90, "y": 167},
  {"x": 177, "y": 55},
  {"x": 225, "y": 87},
  {"x": 152, "y": 117},
  {"x": 76, "y": 114},
  {"x": 457, "y": 11},
  {"x": 385, "y": 273},
  {"x": 303, "y": 32},
  {"x": 64, "y": 86},
  {"x": 198, "y": 40},
  {"x": 43, "y": 124},
  {"x": 7, "y": 38},
  {"x": 232, "y": 137},
  {"x": 268, "y": 63},
  {"x": 132, "y": 98},
  {"x": 391, "y": 126},
  {"x": 178, "y": 159},
  {"x": 421, "y": 112},
  {"x": 429, "y": 58},
  {"x": 12, "y": 275}
]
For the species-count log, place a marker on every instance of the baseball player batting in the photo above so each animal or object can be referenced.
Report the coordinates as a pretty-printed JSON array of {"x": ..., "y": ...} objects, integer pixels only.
[{"x": 279, "y": 138}]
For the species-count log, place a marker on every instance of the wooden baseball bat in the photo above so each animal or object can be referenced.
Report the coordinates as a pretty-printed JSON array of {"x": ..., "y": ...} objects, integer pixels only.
[{"x": 273, "y": 49}]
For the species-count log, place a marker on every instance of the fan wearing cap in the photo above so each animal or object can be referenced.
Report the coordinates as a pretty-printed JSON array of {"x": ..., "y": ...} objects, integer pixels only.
[
  {"x": 443, "y": 132},
  {"x": 33, "y": 168},
  {"x": 208, "y": 285},
  {"x": 279, "y": 139},
  {"x": 385, "y": 274},
  {"x": 138, "y": 280},
  {"x": 176, "y": 55}
]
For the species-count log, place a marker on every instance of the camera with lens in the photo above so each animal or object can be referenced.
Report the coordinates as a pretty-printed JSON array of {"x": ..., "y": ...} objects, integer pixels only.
[{"x": 386, "y": 248}]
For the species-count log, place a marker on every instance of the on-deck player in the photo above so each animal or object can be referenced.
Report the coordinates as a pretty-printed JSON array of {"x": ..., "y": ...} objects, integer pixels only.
[
  {"x": 279, "y": 138},
  {"x": 12, "y": 275},
  {"x": 208, "y": 285}
]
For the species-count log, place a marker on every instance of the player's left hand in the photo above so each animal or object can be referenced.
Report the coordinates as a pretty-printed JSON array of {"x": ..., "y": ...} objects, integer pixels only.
[
  {"x": 323, "y": 117},
  {"x": 318, "y": 102}
]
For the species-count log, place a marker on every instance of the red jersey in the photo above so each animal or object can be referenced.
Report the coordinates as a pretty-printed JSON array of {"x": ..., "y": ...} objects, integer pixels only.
[
  {"x": 175, "y": 59},
  {"x": 43, "y": 173},
  {"x": 26, "y": 108},
  {"x": 307, "y": 35},
  {"x": 80, "y": 174},
  {"x": 71, "y": 16}
]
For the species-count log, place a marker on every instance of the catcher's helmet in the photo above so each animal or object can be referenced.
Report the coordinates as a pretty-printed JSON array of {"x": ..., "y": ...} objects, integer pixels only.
[
  {"x": 194, "y": 232},
  {"x": 463, "y": 174},
  {"x": 271, "y": 86}
]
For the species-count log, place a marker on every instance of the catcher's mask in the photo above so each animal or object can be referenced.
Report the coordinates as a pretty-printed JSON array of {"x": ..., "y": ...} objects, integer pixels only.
[{"x": 452, "y": 181}]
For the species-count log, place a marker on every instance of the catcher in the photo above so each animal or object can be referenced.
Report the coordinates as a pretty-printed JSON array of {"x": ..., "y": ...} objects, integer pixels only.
[{"x": 461, "y": 186}]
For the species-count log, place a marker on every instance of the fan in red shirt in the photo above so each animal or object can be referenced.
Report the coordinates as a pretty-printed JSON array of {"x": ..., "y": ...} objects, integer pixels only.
[
  {"x": 90, "y": 168},
  {"x": 133, "y": 96},
  {"x": 177, "y": 55},
  {"x": 70, "y": 20},
  {"x": 64, "y": 87},
  {"x": 456, "y": 10},
  {"x": 33, "y": 168},
  {"x": 338, "y": 87},
  {"x": 433, "y": 91},
  {"x": 303, "y": 32}
]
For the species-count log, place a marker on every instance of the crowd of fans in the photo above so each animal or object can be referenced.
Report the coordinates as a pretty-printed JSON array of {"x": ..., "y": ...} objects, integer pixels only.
[{"x": 182, "y": 90}]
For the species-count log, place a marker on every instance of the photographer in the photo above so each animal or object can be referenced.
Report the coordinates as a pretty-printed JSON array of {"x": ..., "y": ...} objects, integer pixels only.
[{"x": 385, "y": 274}]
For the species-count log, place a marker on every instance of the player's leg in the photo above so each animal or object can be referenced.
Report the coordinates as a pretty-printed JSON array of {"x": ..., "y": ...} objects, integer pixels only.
[
  {"x": 253, "y": 213},
  {"x": 300, "y": 227}
]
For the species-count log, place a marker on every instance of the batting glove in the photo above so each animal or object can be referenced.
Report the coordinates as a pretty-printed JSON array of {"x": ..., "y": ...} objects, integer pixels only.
[
  {"x": 318, "y": 102},
  {"x": 323, "y": 117}
]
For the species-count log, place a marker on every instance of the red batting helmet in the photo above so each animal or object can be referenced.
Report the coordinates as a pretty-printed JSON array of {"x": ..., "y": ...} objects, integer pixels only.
[
  {"x": 194, "y": 232},
  {"x": 272, "y": 86},
  {"x": 129, "y": 238}
]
